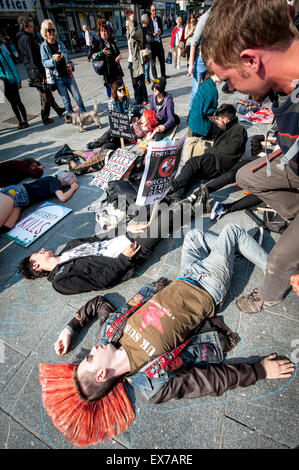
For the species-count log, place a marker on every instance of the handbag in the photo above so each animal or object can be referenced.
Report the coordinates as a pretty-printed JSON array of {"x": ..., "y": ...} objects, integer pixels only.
[
  {"x": 50, "y": 80},
  {"x": 99, "y": 66},
  {"x": 145, "y": 56},
  {"x": 168, "y": 59}
]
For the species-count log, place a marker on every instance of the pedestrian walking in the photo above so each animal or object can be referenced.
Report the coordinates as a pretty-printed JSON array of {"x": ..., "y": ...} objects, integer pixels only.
[
  {"x": 155, "y": 29},
  {"x": 12, "y": 83}
]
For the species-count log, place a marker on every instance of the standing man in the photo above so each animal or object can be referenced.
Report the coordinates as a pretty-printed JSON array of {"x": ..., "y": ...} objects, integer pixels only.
[
  {"x": 30, "y": 51},
  {"x": 197, "y": 66},
  {"x": 253, "y": 64},
  {"x": 88, "y": 41},
  {"x": 155, "y": 29}
]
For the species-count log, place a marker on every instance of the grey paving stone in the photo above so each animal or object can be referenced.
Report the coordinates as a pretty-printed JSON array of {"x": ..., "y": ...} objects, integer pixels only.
[
  {"x": 269, "y": 404},
  {"x": 237, "y": 436},
  {"x": 10, "y": 362},
  {"x": 15, "y": 436}
]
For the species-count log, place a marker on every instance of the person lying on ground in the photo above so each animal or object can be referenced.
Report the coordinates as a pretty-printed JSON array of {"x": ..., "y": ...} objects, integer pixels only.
[
  {"x": 14, "y": 171},
  {"x": 167, "y": 345},
  {"x": 14, "y": 198},
  {"x": 228, "y": 147},
  {"x": 87, "y": 264},
  {"x": 81, "y": 161}
]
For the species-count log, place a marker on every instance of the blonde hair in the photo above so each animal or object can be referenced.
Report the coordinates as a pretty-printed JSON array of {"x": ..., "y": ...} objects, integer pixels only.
[{"x": 44, "y": 27}]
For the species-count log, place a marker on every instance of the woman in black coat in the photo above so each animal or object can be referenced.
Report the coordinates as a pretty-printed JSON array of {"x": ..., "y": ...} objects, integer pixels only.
[{"x": 110, "y": 54}]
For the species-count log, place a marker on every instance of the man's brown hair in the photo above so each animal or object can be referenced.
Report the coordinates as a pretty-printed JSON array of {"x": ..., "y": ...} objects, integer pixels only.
[{"x": 244, "y": 24}]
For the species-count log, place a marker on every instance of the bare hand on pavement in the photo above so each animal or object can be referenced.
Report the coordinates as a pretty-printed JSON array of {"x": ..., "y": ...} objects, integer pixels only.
[{"x": 277, "y": 368}]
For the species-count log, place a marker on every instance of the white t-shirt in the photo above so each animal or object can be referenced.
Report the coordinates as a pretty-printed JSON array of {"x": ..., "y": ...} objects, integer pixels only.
[
  {"x": 178, "y": 36},
  {"x": 156, "y": 29}
]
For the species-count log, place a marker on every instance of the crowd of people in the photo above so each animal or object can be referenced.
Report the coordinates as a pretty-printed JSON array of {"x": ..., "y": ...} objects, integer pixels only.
[{"x": 167, "y": 341}]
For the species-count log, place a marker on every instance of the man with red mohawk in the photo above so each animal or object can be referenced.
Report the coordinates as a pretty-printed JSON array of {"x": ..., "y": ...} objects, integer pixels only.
[{"x": 167, "y": 345}]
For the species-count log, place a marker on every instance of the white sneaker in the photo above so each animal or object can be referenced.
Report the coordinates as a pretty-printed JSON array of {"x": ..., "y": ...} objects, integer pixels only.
[{"x": 217, "y": 211}]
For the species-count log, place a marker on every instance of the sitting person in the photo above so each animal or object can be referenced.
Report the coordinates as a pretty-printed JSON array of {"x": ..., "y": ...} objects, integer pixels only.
[
  {"x": 202, "y": 126},
  {"x": 162, "y": 103},
  {"x": 229, "y": 146},
  {"x": 87, "y": 264},
  {"x": 168, "y": 345},
  {"x": 120, "y": 103},
  {"x": 14, "y": 171},
  {"x": 14, "y": 198}
]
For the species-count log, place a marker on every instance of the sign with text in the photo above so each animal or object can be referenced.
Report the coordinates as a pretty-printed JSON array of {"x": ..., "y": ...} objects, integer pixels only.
[
  {"x": 161, "y": 163},
  {"x": 31, "y": 227},
  {"x": 120, "y": 126},
  {"x": 118, "y": 164},
  {"x": 17, "y": 5}
]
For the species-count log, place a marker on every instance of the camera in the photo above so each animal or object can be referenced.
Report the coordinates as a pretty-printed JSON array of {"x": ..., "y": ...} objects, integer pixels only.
[{"x": 37, "y": 84}]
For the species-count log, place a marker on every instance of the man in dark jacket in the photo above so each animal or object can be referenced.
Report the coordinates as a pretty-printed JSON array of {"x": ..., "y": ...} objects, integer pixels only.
[
  {"x": 228, "y": 147},
  {"x": 168, "y": 345},
  {"x": 35, "y": 70},
  {"x": 154, "y": 32},
  {"x": 87, "y": 264}
]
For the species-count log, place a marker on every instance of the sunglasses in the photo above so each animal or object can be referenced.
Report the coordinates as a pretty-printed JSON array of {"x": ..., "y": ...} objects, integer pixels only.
[
  {"x": 121, "y": 89},
  {"x": 51, "y": 30}
]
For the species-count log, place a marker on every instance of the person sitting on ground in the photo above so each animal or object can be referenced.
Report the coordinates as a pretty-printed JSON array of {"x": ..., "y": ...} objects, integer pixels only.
[
  {"x": 92, "y": 263},
  {"x": 14, "y": 198},
  {"x": 167, "y": 345},
  {"x": 120, "y": 103},
  {"x": 162, "y": 103},
  {"x": 14, "y": 171},
  {"x": 228, "y": 147},
  {"x": 202, "y": 127}
]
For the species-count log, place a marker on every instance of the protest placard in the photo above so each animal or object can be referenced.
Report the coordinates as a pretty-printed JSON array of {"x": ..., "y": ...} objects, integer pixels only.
[
  {"x": 161, "y": 163},
  {"x": 120, "y": 126},
  {"x": 118, "y": 164},
  {"x": 31, "y": 227}
]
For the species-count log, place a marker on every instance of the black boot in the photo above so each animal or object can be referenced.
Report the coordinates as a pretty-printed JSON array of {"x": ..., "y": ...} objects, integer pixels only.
[{"x": 60, "y": 156}]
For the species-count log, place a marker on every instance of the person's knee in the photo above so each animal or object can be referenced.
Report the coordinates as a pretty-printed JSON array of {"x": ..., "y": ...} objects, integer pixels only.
[
  {"x": 242, "y": 178},
  {"x": 280, "y": 261}
]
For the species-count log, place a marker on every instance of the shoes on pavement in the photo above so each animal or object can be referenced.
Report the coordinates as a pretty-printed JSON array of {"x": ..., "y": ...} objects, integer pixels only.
[
  {"x": 23, "y": 125},
  {"x": 217, "y": 211},
  {"x": 60, "y": 111},
  {"x": 48, "y": 121},
  {"x": 201, "y": 196},
  {"x": 252, "y": 303}
]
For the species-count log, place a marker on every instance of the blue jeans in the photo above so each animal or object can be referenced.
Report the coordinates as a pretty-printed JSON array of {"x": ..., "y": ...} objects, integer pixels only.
[
  {"x": 18, "y": 194},
  {"x": 66, "y": 85},
  {"x": 199, "y": 73},
  {"x": 209, "y": 259},
  {"x": 147, "y": 71}
]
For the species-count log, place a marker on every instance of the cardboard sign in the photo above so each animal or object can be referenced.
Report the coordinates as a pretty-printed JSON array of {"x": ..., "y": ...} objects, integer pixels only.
[
  {"x": 161, "y": 164},
  {"x": 120, "y": 126},
  {"x": 118, "y": 164},
  {"x": 31, "y": 227}
]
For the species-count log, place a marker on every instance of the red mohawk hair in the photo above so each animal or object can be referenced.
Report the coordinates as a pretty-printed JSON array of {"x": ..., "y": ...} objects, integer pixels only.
[
  {"x": 151, "y": 119},
  {"x": 81, "y": 422}
]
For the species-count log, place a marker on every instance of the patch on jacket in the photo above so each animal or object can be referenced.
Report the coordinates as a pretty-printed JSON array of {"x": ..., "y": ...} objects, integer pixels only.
[{"x": 136, "y": 300}]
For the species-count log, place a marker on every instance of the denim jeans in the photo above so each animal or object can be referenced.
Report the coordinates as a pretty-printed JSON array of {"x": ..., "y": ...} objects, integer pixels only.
[
  {"x": 209, "y": 259},
  {"x": 64, "y": 86},
  {"x": 147, "y": 71},
  {"x": 199, "y": 73},
  {"x": 18, "y": 194}
]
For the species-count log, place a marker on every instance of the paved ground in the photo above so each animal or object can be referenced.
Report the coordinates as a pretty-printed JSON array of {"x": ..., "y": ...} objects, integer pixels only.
[{"x": 32, "y": 314}]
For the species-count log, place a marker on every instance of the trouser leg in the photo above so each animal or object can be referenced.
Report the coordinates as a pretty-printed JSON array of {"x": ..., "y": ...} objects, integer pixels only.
[
  {"x": 244, "y": 203},
  {"x": 278, "y": 190},
  {"x": 214, "y": 271},
  {"x": 283, "y": 261},
  {"x": 45, "y": 105},
  {"x": 228, "y": 177}
]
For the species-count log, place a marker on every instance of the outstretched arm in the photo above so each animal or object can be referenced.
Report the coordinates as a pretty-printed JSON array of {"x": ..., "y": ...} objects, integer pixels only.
[
  {"x": 215, "y": 379},
  {"x": 98, "y": 306}
]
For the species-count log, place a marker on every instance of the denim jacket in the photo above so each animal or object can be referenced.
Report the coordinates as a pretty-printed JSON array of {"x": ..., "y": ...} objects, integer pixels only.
[
  {"x": 47, "y": 59},
  {"x": 202, "y": 348}
]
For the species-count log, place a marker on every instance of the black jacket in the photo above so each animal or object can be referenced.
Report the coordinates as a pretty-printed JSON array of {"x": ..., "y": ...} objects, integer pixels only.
[
  {"x": 151, "y": 29},
  {"x": 229, "y": 145},
  {"x": 90, "y": 272},
  {"x": 30, "y": 51}
]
